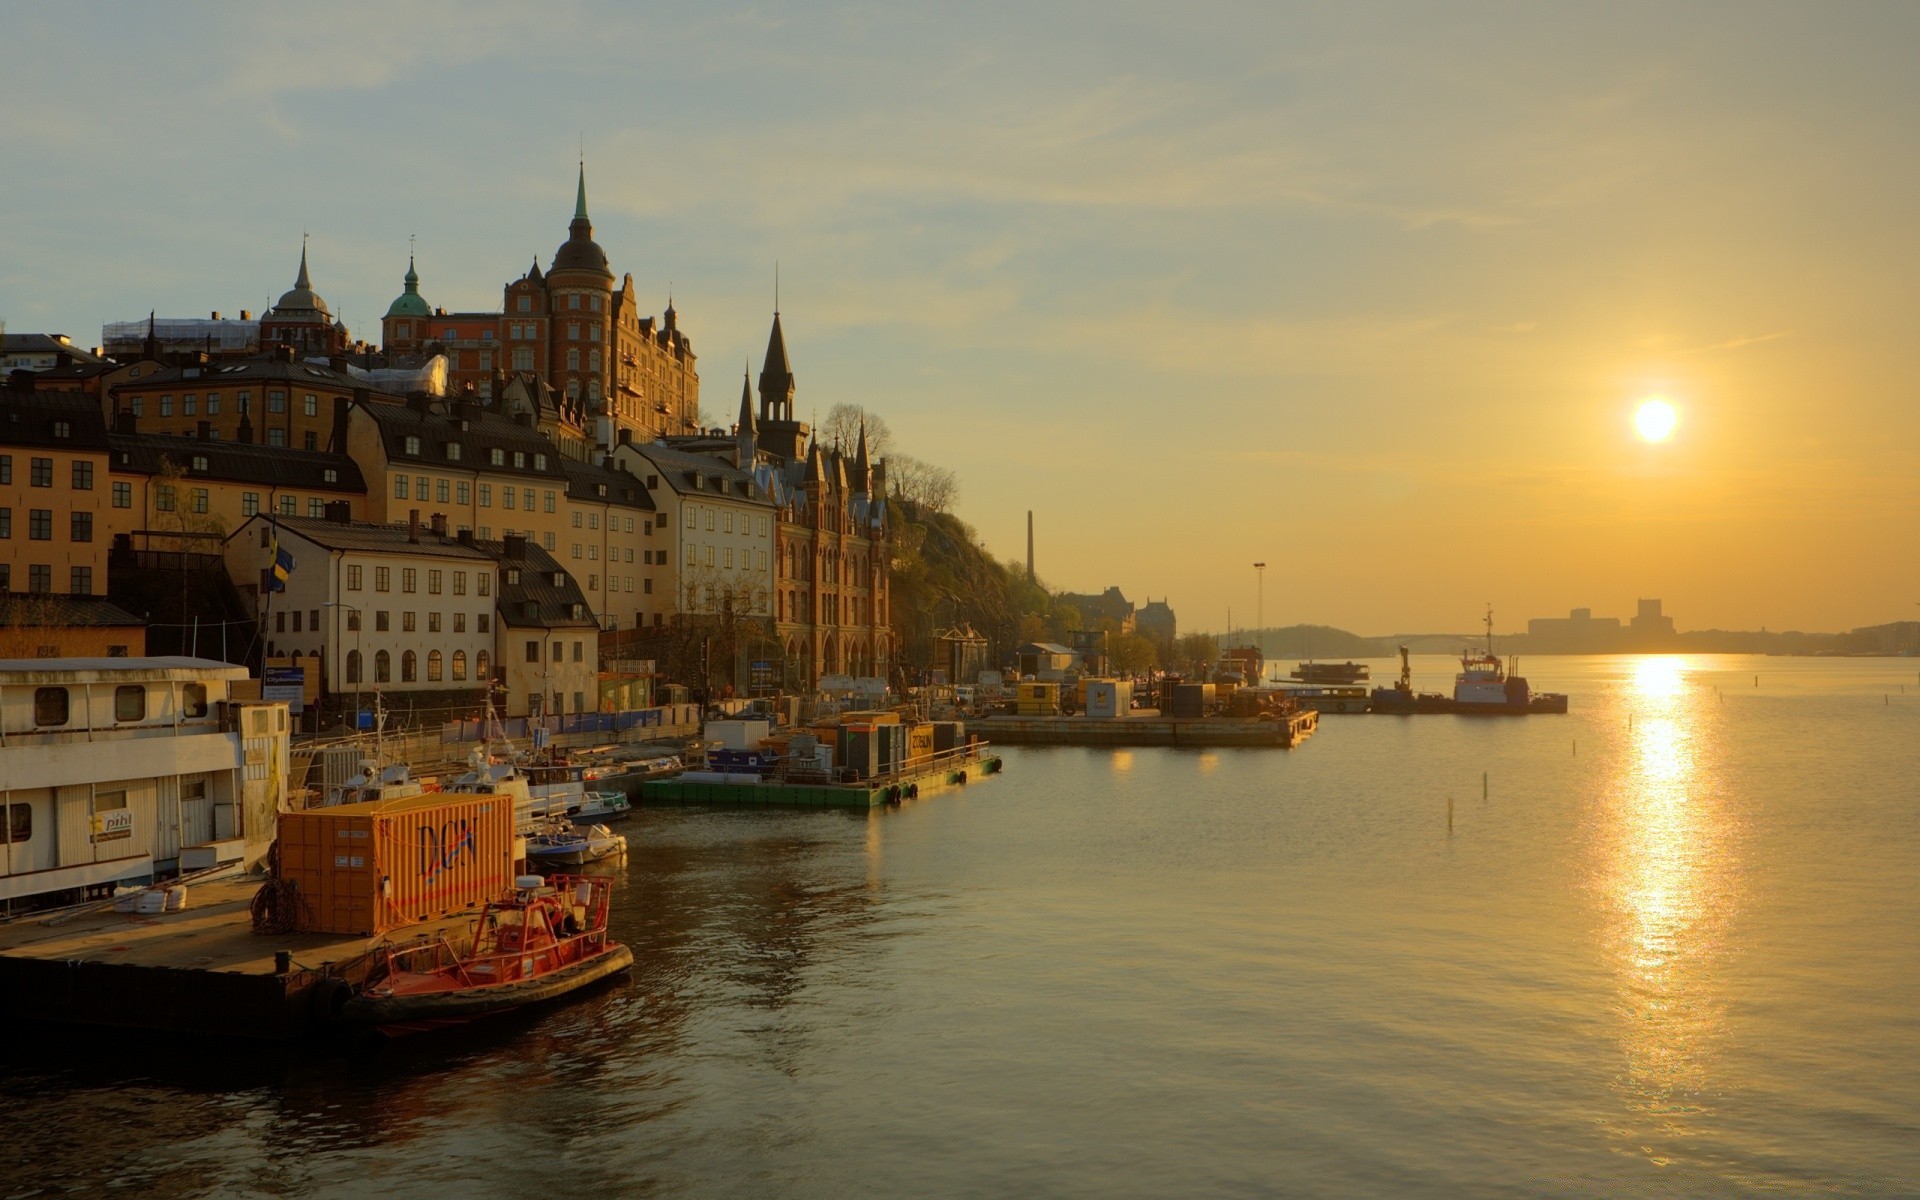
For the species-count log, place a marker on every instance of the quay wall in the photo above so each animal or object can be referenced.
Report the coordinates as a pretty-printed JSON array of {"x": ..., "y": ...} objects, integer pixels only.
[{"x": 1144, "y": 731}]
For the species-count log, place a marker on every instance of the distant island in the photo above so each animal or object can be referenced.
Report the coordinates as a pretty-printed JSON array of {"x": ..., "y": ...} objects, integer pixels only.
[{"x": 1325, "y": 642}]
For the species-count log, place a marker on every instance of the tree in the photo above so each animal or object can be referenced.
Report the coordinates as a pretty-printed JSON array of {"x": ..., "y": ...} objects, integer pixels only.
[
  {"x": 921, "y": 484},
  {"x": 843, "y": 426},
  {"x": 1195, "y": 653}
]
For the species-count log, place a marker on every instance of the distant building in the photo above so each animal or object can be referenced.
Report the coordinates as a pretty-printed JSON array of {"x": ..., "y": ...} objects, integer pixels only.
[
  {"x": 41, "y": 352},
  {"x": 1109, "y": 605},
  {"x": 1044, "y": 660},
  {"x": 53, "y": 494},
  {"x": 56, "y": 626},
  {"x": 1578, "y": 629},
  {"x": 1650, "y": 622},
  {"x": 549, "y": 641},
  {"x": 1155, "y": 620}
]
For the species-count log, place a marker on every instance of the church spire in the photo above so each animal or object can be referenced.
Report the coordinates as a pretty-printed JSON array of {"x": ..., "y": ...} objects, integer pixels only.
[
  {"x": 580, "y": 200},
  {"x": 303, "y": 283},
  {"x": 776, "y": 378}
]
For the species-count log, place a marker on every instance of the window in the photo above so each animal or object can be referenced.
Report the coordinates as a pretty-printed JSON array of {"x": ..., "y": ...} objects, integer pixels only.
[
  {"x": 533, "y": 651},
  {"x": 497, "y": 457},
  {"x": 440, "y": 490},
  {"x": 692, "y": 557},
  {"x": 409, "y": 579},
  {"x": 459, "y": 622},
  {"x": 593, "y": 551},
  {"x": 40, "y": 524},
  {"x": 6, "y": 468},
  {"x": 316, "y": 507},
  {"x": 353, "y": 577},
  {"x": 249, "y": 502},
  {"x": 80, "y": 527},
  {"x": 520, "y": 462},
  {"x": 484, "y": 582},
  {"x": 311, "y": 405},
  {"x": 353, "y": 620},
  {"x": 593, "y": 521},
  {"x": 189, "y": 405},
  {"x": 433, "y": 583},
  {"x": 548, "y": 540},
  {"x": 383, "y": 579},
  {"x": 593, "y": 583},
  {"x": 39, "y": 579},
  {"x": 462, "y": 492},
  {"x": 433, "y": 665},
  {"x": 453, "y": 451},
  {"x": 289, "y": 506},
  {"x": 483, "y": 623},
  {"x": 459, "y": 583},
  {"x": 420, "y": 488},
  {"x": 381, "y": 620},
  {"x": 50, "y": 706},
  {"x": 486, "y": 495},
  {"x": 276, "y": 402},
  {"x": 522, "y": 355},
  {"x": 540, "y": 464},
  {"x": 573, "y": 359},
  {"x": 280, "y": 622},
  {"x": 578, "y": 650},
  {"x": 729, "y": 523},
  {"x": 166, "y": 406},
  {"x": 525, "y": 304},
  {"x": 709, "y": 520},
  {"x": 19, "y": 822},
  {"x": 693, "y": 517},
  {"x": 213, "y": 403},
  {"x": 382, "y": 666},
  {"x": 506, "y": 496},
  {"x": 6, "y": 522},
  {"x": 276, "y": 437},
  {"x": 200, "y": 500},
  {"x": 578, "y": 519},
  {"x": 459, "y": 665},
  {"x": 433, "y": 622},
  {"x": 309, "y": 441},
  {"x": 480, "y": 665},
  {"x": 709, "y": 555},
  {"x": 42, "y": 472},
  {"x": 400, "y": 487},
  {"x": 559, "y": 652},
  {"x": 80, "y": 581},
  {"x": 353, "y": 666},
  {"x": 130, "y": 703},
  {"x": 547, "y": 501},
  {"x": 83, "y": 476},
  {"x": 193, "y": 699},
  {"x": 406, "y": 622}
]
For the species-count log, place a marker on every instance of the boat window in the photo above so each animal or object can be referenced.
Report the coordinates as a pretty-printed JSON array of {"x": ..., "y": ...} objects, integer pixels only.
[
  {"x": 50, "y": 706},
  {"x": 193, "y": 699},
  {"x": 20, "y": 822},
  {"x": 130, "y": 703}
]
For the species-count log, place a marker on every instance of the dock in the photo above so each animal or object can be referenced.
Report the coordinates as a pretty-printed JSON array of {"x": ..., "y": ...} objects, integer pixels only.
[
  {"x": 1148, "y": 730},
  {"x": 200, "y": 971},
  {"x": 947, "y": 771}
]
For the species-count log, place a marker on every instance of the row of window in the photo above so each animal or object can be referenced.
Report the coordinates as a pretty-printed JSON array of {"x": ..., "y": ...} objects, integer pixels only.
[
  {"x": 40, "y": 579},
  {"x": 748, "y": 558},
  {"x": 410, "y": 445},
  {"x": 559, "y": 651},
  {"x": 750, "y": 523},
  {"x": 40, "y": 525},
  {"x": 53, "y": 707},
  {"x": 40, "y": 471},
  {"x": 410, "y": 580},
  {"x": 289, "y": 621},
  {"x": 410, "y": 666}
]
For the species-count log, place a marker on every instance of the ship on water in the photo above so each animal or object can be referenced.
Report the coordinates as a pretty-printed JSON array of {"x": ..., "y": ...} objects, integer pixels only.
[{"x": 1485, "y": 685}]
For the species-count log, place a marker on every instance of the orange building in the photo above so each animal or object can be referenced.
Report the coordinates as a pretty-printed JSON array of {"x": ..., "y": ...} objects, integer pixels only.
[{"x": 53, "y": 488}]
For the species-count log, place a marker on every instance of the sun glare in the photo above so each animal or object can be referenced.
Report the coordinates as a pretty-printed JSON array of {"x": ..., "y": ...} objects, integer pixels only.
[{"x": 1654, "y": 420}]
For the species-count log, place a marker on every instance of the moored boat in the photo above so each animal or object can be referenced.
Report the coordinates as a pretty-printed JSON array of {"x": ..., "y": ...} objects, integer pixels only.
[
  {"x": 566, "y": 845},
  {"x": 545, "y": 938}
]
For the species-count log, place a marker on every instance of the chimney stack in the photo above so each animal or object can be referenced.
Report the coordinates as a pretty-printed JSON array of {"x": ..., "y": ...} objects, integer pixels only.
[
  {"x": 1030, "y": 578},
  {"x": 515, "y": 547},
  {"x": 440, "y": 524},
  {"x": 413, "y": 525},
  {"x": 205, "y": 429}
]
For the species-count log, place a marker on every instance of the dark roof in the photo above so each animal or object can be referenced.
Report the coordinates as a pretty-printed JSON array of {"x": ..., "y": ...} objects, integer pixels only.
[
  {"x": 62, "y": 611},
  {"x": 239, "y": 462},
  {"x": 363, "y": 536},
  {"x": 29, "y": 418},
  {"x": 44, "y": 343},
  {"x": 267, "y": 368},
  {"x": 484, "y": 431},
  {"x": 776, "y": 374},
  {"x": 552, "y": 603},
  {"x": 678, "y": 468},
  {"x": 81, "y": 370},
  {"x": 588, "y": 482}
]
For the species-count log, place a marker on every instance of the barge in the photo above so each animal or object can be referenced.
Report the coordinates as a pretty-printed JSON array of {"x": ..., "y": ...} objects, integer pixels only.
[{"x": 1148, "y": 728}]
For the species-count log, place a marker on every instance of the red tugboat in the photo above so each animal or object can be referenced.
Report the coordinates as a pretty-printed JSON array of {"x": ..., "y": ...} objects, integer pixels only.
[{"x": 542, "y": 940}]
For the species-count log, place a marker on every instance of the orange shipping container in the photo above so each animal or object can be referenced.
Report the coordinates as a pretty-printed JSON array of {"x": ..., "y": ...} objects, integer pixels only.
[{"x": 369, "y": 868}]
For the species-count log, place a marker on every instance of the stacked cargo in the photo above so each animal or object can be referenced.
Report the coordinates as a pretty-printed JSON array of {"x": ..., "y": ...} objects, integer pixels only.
[
  {"x": 1108, "y": 698},
  {"x": 372, "y": 867},
  {"x": 1192, "y": 699}
]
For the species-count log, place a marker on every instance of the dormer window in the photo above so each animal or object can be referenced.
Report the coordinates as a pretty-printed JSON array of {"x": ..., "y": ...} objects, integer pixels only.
[
  {"x": 520, "y": 459},
  {"x": 513, "y": 575},
  {"x": 411, "y": 445},
  {"x": 579, "y": 611},
  {"x": 331, "y": 475},
  {"x": 199, "y": 462},
  {"x": 600, "y": 488},
  {"x": 539, "y": 462},
  {"x": 497, "y": 457},
  {"x": 453, "y": 451},
  {"x": 62, "y": 429}
]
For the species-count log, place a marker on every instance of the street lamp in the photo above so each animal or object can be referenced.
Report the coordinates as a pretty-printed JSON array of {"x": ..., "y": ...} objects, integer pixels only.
[
  {"x": 1260, "y": 611},
  {"x": 359, "y": 620}
]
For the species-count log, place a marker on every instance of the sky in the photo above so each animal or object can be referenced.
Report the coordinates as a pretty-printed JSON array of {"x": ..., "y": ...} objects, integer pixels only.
[{"x": 1367, "y": 292}]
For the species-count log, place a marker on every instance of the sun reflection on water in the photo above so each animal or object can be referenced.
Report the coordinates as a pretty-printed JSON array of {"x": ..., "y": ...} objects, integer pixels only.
[{"x": 1670, "y": 881}]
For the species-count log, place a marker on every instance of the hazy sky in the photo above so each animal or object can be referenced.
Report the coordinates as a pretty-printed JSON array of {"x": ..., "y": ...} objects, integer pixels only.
[{"x": 1369, "y": 292}]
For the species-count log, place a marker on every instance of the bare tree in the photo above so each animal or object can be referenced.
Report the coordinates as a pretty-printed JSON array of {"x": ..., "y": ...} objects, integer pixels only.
[
  {"x": 931, "y": 488},
  {"x": 843, "y": 426}
]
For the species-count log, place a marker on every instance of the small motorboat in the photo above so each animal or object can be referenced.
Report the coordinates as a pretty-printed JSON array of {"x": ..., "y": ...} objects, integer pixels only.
[
  {"x": 545, "y": 938},
  {"x": 601, "y": 806},
  {"x": 572, "y": 846}
]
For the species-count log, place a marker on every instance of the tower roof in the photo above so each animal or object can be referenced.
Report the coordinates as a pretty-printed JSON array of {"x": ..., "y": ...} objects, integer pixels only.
[
  {"x": 746, "y": 404},
  {"x": 409, "y": 303},
  {"x": 580, "y": 252},
  {"x": 302, "y": 299},
  {"x": 776, "y": 374}
]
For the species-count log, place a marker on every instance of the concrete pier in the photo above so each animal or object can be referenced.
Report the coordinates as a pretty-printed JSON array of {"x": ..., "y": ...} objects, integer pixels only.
[{"x": 1146, "y": 731}]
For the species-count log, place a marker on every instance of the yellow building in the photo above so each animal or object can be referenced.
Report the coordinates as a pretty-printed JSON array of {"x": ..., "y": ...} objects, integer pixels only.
[{"x": 53, "y": 489}]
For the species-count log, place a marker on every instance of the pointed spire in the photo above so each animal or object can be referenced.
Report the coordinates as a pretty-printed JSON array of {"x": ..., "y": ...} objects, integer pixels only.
[
  {"x": 302, "y": 281},
  {"x": 776, "y": 377},
  {"x": 862, "y": 472},
  {"x": 580, "y": 199},
  {"x": 746, "y": 403}
]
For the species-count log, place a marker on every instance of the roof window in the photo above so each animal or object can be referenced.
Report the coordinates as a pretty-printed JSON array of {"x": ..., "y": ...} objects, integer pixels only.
[
  {"x": 412, "y": 445},
  {"x": 453, "y": 451}
]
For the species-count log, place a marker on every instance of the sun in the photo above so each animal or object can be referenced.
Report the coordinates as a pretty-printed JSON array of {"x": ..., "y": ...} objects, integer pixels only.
[{"x": 1655, "y": 419}]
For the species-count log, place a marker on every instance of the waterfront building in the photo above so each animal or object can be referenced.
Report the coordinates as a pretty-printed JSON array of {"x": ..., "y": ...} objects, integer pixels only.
[
  {"x": 715, "y": 528},
  {"x": 1578, "y": 631},
  {"x": 404, "y": 609},
  {"x": 1109, "y": 605},
  {"x": 53, "y": 494},
  {"x": 57, "y": 626},
  {"x": 175, "y": 493},
  {"x": 117, "y": 769},
  {"x": 548, "y": 640},
  {"x": 574, "y": 329},
  {"x": 1155, "y": 620},
  {"x": 1650, "y": 623},
  {"x": 520, "y": 465}
]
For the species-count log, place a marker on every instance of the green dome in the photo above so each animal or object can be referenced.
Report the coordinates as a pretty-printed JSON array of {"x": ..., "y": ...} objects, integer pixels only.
[{"x": 409, "y": 303}]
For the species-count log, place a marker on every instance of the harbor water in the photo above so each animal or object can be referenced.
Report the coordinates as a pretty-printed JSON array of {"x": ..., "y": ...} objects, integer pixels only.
[{"x": 1668, "y": 944}]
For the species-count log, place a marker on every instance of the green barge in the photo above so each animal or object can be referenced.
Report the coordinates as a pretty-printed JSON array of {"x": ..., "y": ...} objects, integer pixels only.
[{"x": 946, "y": 771}]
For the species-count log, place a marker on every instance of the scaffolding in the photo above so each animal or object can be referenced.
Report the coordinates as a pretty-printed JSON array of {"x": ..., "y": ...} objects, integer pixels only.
[{"x": 122, "y": 339}]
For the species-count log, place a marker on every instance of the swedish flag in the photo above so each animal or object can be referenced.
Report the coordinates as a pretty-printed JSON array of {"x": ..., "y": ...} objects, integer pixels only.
[{"x": 282, "y": 565}]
